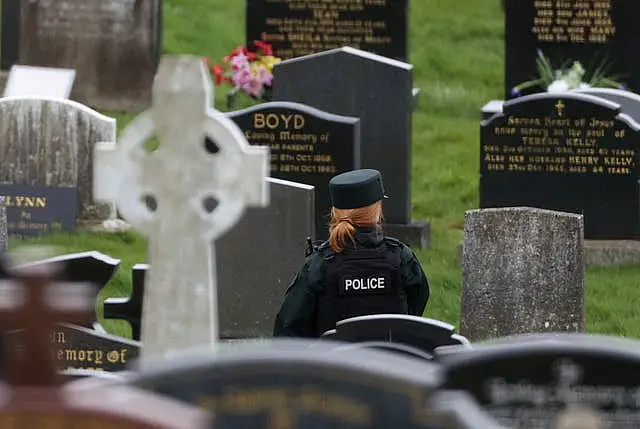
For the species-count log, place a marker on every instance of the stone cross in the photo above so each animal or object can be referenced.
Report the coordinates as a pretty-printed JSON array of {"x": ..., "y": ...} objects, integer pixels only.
[
  {"x": 28, "y": 302},
  {"x": 192, "y": 189}
]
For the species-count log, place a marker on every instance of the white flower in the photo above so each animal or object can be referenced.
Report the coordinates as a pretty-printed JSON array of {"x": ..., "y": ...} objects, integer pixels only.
[
  {"x": 584, "y": 86},
  {"x": 558, "y": 86}
]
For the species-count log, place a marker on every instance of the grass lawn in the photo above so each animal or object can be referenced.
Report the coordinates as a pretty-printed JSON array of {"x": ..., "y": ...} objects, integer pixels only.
[{"x": 458, "y": 58}]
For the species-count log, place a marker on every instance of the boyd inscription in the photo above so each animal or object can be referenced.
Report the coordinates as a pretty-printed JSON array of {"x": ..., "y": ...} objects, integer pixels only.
[{"x": 306, "y": 145}]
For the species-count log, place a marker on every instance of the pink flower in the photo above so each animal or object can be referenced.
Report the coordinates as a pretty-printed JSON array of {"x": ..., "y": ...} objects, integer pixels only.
[{"x": 240, "y": 61}]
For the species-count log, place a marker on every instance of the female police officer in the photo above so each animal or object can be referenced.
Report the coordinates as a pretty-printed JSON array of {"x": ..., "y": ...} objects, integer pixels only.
[{"x": 357, "y": 271}]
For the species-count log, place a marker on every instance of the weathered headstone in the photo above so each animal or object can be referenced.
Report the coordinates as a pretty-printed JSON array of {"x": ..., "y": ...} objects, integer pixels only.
[
  {"x": 129, "y": 308},
  {"x": 252, "y": 279},
  {"x": 297, "y": 28},
  {"x": 35, "y": 210},
  {"x": 201, "y": 194},
  {"x": 32, "y": 397},
  {"x": 113, "y": 46},
  {"x": 524, "y": 268},
  {"x": 39, "y": 82},
  {"x": 48, "y": 142},
  {"x": 4, "y": 229},
  {"x": 594, "y": 33},
  {"x": 564, "y": 152},
  {"x": 531, "y": 384},
  {"x": 306, "y": 145},
  {"x": 378, "y": 91},
  {"x": 301, "y": 384},
  {"x": 421, "y": 333}
]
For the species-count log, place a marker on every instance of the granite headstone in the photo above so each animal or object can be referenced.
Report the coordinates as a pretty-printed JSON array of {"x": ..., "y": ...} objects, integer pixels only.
[
  {"x": 112, "y": 44},
  {"x": 49, "y": 142},
  {"x": 251, "y": 288},
  {"x": 522, "y": 272},
  {"x": 297, "y": 28},
  {"x": 595, "y": 33},
  {"x": 531, "y": 384},
  {"x": 307, "y": 384},
  {"x": 377, "y": 90},
  {"x": 306, "y": 145},
  {"x": 564, "y": 152},
  {"x": 129, "y": 308}
]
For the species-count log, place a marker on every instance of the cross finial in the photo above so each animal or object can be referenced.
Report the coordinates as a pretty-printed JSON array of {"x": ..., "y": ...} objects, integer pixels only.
[
  {"x": 560, "y": 107},
  {"x": 31, "y": 302},
  {"x": 182, "y": 196}
]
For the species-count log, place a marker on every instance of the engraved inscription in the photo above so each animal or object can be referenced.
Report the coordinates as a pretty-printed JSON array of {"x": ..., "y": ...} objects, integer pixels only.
[
  {"x": 569, "y": 21},
  {"x": 318, "y": 25},
  {"x": 556, "y": 144},
  {"x": 535, "y": 406},
  {"x": 293, "y": 148},
  {"x": 106, "y": 19}
]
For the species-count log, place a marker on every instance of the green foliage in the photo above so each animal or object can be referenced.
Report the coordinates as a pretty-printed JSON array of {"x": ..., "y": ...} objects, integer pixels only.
[{"x": 458, "y": 59}]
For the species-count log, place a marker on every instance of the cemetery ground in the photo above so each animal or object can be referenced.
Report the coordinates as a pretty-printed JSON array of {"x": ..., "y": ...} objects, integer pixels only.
[{"x": 458, "y": 58}]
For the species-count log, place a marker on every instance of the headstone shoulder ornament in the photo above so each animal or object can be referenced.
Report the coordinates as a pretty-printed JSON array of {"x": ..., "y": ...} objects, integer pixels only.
[
  {"x": 29, "y": 298},
  {"x": 200, "y": 194}
]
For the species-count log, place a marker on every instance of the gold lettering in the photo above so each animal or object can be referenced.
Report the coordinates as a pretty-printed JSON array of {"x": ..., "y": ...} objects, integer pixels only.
[{"x": 580, "y": 22}]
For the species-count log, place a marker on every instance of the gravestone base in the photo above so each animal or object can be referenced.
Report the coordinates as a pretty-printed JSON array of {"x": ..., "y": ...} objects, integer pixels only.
[
  {"x": 416, "y": 234},
  {"x": 604, "y": 253}
]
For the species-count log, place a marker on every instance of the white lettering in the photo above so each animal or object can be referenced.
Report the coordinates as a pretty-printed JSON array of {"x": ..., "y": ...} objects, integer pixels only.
[{"x": 365, "y": 284}]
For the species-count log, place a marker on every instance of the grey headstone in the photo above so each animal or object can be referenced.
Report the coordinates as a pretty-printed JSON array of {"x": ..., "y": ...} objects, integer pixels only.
[
  {"x": 49, "y": 142},
  {"x": 259, "y": 257},
  {"x": 377, "y": 90},
  {"x": 522, "y": 271},
  {"x": 4, "y": 231},
  {"x": 257, "y": 260},
  {"x": 112, "y": 44}
]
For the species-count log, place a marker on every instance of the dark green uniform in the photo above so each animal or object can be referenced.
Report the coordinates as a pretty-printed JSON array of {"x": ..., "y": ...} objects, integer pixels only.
[{"x": 297, "y": 316}]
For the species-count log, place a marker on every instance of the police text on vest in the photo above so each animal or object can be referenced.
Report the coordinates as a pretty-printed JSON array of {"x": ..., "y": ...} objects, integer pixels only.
[{"x": 364, "y": 284}]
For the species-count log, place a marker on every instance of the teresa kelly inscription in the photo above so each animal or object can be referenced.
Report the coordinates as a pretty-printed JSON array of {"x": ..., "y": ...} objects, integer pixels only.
[
  {"x": 558, "y": 145},
  {"x": 567, "y": 21},
  {"x": 315, "y": 26},
  {"x": 292, "y": 149}
]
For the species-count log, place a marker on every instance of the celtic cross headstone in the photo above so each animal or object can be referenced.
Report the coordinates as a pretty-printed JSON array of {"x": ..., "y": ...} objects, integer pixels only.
[{"x": 189, "y": 191}]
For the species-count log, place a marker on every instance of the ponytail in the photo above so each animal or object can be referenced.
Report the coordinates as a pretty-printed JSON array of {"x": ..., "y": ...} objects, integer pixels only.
[{"x": 345, "y": 221}]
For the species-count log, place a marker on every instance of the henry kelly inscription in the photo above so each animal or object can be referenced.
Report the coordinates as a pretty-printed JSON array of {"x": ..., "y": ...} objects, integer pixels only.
[{"x": 557, "y": 144}]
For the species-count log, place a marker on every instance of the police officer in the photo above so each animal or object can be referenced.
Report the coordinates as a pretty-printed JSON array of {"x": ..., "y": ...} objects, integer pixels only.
[{"x": 358, "y": 271}]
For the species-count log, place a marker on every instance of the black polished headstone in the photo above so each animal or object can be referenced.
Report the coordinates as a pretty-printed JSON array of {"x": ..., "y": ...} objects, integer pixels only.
[
  {"x": 78, "y": 348},
  {"x": 311, "y": 385},
  {"x": 93, "y": 267},
  {"x": 590, "y": 32},
  {"x": 295, "y": 29},
  {"x": 307, "y": 146},
  {"x": 420, "y": 333},
  {"x": 35, "y": 210},
  {"x": 629, "y": 101},
  {"x": 10, "y": 38},
  {"x": 564, "y": 152},
  {"x": 527, "y": 383},
  {"x": 370, "y": 87},
  {"x": 129, "y": 309}
]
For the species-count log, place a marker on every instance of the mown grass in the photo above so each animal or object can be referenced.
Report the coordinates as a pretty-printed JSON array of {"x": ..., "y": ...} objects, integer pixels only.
[{"x": 457, "y": 52}]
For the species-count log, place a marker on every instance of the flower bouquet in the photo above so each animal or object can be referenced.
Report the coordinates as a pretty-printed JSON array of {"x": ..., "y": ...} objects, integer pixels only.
[
  {"x": 563, "y": 79},
  {"x": 248, "y": 70}
]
